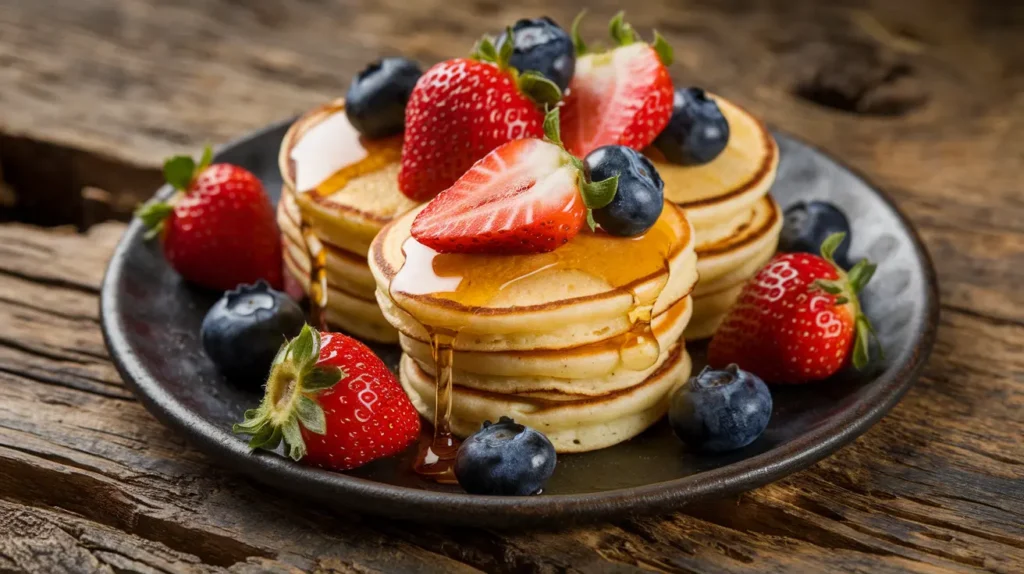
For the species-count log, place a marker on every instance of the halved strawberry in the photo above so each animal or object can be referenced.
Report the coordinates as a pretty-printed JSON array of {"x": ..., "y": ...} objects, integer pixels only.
[
  {"x": 527, "y": 196},
  {"x": 619, "y": 97}
]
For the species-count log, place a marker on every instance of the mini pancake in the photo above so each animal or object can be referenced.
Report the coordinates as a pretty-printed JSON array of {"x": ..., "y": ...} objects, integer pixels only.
[
  {"x": 349, "y": 209},
  {"x": 737, "y": 276},
  {"x": 353, "y": 314},
  {"x": 709, "y": 312},
  {"x": 344, "y": 269},
  {"x": 551, "y": 308},
  {"x": 562, "y": 368},
  {"x": 761, "y": 235},
  {"x": 717, "y": 192},
  {"x": 571, "y": 425}
]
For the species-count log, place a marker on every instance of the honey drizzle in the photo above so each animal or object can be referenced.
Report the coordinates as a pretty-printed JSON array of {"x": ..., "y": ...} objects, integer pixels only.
[
  {"x": 356, "y": 157},
  {"x": 317, "y": 276},
  {"x": 477, "y": 280},
  {"x": 436, "y": 460}
]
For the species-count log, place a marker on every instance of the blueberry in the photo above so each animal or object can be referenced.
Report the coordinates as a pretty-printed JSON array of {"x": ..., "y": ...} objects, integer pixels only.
[
  {"x": 807, "y": 225},
  {"x": 640, "y": 196},
  {"x": 720, "y": 410},
  {"x": 243, "y": 331},
  {"x": 506, "y": 459},
  {"x": 697, "y": 131},
  {"x": 375, "y": 102},
  {"x": 543, "y": 46}
]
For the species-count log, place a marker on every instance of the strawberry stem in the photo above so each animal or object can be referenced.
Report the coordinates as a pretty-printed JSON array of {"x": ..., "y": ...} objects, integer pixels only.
[{"x": 289, "y": 400}]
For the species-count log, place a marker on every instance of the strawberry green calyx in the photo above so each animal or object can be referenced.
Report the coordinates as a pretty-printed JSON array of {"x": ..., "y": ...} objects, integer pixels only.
[
  {"x": 846, "y": 289},
  {"x": 621, "y": 31},
  {"x": 664, "y": 50},
  {"x": 289, "y": 400},
  {"x": 577, "y": 40},
  {"x": 535, "y": 86},
  {"x": 623, "y": 34},
  {"x": 179, "y": 171},
  {"x": 595, "y": 194}
]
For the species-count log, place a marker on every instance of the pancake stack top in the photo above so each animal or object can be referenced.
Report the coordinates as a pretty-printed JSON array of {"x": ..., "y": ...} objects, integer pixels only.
[
  {"x": 737, "y": 223},
  {"x": 583, "y": 343},
  {"x": 346, "y": 190}
]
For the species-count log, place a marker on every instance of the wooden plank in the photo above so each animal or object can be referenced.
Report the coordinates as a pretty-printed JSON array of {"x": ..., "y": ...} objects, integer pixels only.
[
  {"x": 936, "y": 486},
  {"x": 927, "y": 98},
  {"x": 97, "y": 93}
]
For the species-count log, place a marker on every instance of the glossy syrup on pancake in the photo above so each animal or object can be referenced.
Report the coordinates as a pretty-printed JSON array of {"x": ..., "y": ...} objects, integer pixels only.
[
  {"x": 330, "y": 147},
  {"x": 475, "y": 280}
]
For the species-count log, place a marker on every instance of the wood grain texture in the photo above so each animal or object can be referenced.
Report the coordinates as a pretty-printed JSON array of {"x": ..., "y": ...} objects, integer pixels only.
[{"x": 927, "y": 98}]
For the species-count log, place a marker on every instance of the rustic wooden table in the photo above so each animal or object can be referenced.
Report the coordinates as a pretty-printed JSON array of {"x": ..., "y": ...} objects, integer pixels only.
[{"x": 927, "y": 98}]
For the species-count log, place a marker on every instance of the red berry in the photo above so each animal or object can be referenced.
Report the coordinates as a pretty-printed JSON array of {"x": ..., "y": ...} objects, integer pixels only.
[
  {"x": 458, "y": 112},
  {"x": 620, "y": 97},
  {"x": 797, "y": 321},
  {"x": 523, "y": 197},
  {"x": 333, "y": 403},
  {"x": 220, "y": 231}
]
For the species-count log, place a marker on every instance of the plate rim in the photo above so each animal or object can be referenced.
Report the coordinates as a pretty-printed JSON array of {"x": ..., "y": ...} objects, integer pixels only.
[{"x": 403, "y": 502}]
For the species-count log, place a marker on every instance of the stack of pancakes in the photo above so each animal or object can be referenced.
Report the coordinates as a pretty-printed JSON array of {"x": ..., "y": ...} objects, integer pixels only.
[
  {"x": 737, "y": 223},
  {"x": 346, "y": 190},
  {"x": 543, "y": 338}
]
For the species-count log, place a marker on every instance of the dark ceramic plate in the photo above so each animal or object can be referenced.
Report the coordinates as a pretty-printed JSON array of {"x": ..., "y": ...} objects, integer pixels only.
[{"x": 151, "y": 323}]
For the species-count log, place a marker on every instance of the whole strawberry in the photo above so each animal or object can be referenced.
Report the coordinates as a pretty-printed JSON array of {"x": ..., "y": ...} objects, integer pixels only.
[
  {"x": 462, "y": 109},
  {"x": 219, "y": 230},
  {"x": 798, "y": 320},
  {"x": 620, "y": 97},
  {"x": 333, "y": 403}
]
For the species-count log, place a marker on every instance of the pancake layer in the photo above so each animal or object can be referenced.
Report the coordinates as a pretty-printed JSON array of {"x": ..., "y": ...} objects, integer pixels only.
[
  {"x": 736, "y": 222},
  {"x": 573, "y": 424},
  {"x": 345, "y": 190}
]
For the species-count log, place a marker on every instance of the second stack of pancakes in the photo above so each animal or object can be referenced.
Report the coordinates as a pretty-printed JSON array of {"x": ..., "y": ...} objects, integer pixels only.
[
  {"x": 736, "y": 221},
  {"x": 545, "y": 338},
  {"x": 345, "y": 189}
]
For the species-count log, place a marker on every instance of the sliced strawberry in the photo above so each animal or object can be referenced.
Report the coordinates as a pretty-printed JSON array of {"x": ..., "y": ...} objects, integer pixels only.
[
  {"x": 619, "y": 97},
  {"x": 523, "y": 197}
]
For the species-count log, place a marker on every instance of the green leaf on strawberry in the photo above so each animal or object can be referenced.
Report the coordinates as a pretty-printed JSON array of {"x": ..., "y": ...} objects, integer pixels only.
[
  {"x": 532, "y": 84},
  {"x": 153, "y": 214},
  {"x": 621, "y": 31},
  {"x": 665, "y": 52},
  {"x": 577, "y": 39},
  {"x": 294, "y": 376},
  {"x": 179, "y": 171},
  {"x": 596, "y": 194}
]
